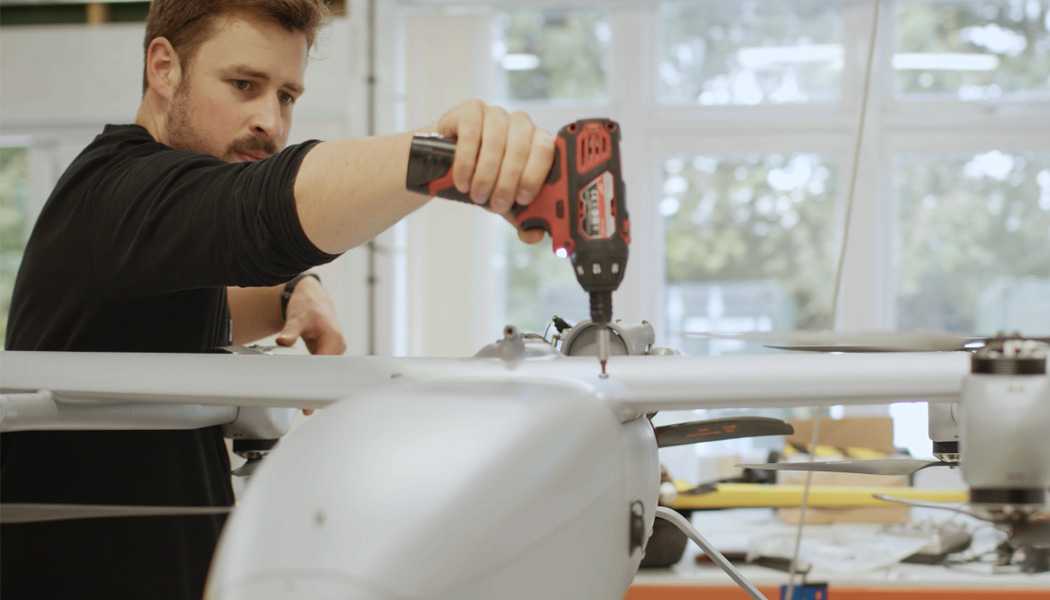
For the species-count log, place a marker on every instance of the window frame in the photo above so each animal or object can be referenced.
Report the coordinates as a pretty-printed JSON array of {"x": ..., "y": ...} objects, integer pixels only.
[{"x": 893, "y": 125}]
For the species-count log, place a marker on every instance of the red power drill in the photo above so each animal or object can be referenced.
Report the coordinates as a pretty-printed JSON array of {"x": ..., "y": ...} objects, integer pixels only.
[{"x": 582, "y": 205}]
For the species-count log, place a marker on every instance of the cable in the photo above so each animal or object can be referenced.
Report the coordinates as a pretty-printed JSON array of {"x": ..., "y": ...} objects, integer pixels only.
[
  {"x": 716, "y": 557},
  {"x": 854, "y": 172},
  {"x": 855, "y": 168},
  {"x": 802, "y": 510}
]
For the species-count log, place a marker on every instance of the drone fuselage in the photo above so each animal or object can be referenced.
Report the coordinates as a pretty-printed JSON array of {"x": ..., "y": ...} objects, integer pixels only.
[{"x": 457, "y": 489}]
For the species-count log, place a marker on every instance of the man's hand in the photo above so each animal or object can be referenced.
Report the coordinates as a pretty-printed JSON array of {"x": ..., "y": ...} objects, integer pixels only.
[
  {"x": 311, "y": 316},
  {"x": 501, "y": 159}
]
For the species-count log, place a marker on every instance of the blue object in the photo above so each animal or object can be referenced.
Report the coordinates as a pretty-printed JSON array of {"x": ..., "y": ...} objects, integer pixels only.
[{"x": 808, "y": 591}]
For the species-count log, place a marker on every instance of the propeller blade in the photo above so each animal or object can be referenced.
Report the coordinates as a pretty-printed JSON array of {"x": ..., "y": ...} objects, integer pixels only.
[
  {"x": 11, "y": 513},
  {"x": 850, "y": 349},
  {"x": 879, "y": 466},
  {"x": 713, "y": 430},
  {"x": 858, "y": 341}
]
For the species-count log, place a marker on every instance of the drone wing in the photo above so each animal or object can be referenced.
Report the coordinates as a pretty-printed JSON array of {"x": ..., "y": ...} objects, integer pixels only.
[{"x": 637, "y": 384}]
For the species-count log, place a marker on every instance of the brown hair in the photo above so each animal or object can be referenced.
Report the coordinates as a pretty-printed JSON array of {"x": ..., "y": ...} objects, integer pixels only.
[{"x": 187, "y": 23}]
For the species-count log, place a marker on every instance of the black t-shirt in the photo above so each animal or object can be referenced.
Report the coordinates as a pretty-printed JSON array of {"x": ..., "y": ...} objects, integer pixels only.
[{"x": 132, "y": 253}]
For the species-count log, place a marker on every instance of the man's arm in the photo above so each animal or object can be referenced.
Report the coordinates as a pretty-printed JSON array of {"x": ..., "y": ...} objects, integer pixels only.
[
  {"x": 349, "y": 191},
  {"x": 256, "y": 312},
  {"x": 168, "y": 220}
]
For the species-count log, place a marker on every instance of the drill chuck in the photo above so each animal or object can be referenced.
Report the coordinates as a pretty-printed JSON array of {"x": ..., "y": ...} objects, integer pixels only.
[{"x": 601, "y": 307}]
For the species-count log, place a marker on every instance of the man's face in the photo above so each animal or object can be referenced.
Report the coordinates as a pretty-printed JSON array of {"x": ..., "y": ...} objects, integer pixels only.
[{"x": 235, "y": 102}]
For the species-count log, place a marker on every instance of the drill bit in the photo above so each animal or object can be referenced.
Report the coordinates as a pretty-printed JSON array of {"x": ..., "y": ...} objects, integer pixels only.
[
  {"x": 603, "y": 350},
  {"x": 601, "y": 314}
]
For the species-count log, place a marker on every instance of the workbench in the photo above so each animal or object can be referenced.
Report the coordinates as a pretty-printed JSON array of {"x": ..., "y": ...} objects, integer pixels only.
[{"x": 688, "y": 580}]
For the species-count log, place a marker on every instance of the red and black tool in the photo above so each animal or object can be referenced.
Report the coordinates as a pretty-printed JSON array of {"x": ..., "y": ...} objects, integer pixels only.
[{"x": 582, "y": 205}]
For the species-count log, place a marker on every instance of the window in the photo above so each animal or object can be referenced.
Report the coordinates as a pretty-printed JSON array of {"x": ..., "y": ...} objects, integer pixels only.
[
  {"x": 749, "y": 52},
  {"x": 973, "y": 50},
  {"x": 551, "y": 55},
  {"x": 739, "y": 120},
  {"x": 14, "y": 223},
  {"x": 539, "y": 286},
  {"x": 748, "y": 245},
  {"x": 970, "y": 229}
]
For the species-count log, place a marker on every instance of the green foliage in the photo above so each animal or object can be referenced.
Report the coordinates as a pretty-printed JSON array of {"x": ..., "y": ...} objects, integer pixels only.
[
  {"x": 1016, "y": 32},
  {"x": 752, "y": 218},
  {"x": 540, "y": 286},
  {"x": 703, "y": 44},
  {"x": 14, "y": 192},
  {"x": 571, "y": 47},
  {"x": 965, "y": 222}
]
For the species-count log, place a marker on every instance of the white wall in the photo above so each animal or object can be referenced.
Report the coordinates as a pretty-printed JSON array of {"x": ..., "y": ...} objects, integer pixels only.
[{"x": 60, "y": 84}]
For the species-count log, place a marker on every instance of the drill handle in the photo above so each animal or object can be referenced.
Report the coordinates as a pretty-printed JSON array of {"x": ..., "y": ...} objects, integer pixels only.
[
  {"x": 554, "y": 209},
  {"x": 430, "y": 168},
  {"x": 430, "y": 172}
]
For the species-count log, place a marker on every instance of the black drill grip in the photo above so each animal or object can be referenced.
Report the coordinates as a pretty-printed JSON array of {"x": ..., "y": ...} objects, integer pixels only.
[
  {"x": 430, "y": 172},
  {"x": 430, "y": 168}
]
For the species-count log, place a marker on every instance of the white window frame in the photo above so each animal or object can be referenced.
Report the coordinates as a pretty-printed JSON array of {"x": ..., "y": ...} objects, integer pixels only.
[{"x": 893, "y": 126}]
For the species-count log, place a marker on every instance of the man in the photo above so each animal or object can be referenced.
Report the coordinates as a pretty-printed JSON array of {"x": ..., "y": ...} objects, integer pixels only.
[{"x": 162, "y": 233}]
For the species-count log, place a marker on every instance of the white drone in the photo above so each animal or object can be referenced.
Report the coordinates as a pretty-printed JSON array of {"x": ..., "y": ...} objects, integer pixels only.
[{"x": 519, "y": 473}]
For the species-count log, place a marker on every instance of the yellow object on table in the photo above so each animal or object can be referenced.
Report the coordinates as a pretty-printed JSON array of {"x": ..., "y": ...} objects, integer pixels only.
[{"x": 756, "y": 495}]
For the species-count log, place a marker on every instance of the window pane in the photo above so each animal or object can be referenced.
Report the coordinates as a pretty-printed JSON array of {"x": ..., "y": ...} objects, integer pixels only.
[
  {"x": 749, "y": 245},
  {"x": 749, "y": 52},
  {"x": 970, "y": 242},
  {"x": 551, "y": 55},
  {"x": 14, "y": 226},
  {"x": 973, "y": 50},
  {"x": 541, "y": 285}
]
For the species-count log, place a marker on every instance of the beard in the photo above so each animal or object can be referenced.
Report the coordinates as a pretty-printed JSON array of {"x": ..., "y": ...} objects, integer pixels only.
[{"x": 183, "y": 135}]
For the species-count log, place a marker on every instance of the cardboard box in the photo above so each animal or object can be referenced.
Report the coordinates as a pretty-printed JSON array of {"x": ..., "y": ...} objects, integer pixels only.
[{"x": 875, "y": 433}]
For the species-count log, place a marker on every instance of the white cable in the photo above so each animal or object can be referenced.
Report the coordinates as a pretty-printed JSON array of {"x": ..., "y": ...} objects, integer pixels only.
[
  {"x": 716, "y": 557},
  {"x": 854, "y": 171},
  {"x": 793, "y": 570}
]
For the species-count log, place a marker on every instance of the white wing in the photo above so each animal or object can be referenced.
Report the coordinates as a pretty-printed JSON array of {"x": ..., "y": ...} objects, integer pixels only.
[{"x": 636, "y": 385}]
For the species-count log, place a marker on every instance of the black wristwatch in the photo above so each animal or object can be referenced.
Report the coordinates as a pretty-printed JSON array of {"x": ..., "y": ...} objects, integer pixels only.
[{"x": 286, "y": 293}]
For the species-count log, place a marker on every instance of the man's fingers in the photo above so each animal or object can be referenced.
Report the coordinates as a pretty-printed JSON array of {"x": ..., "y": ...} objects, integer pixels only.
[
  {"x": 331, "y": 344},
  {"x": 291, "y": 332},
  {"x": 529, "y": 236},
  {"x": 519, "y": 146},
  {"x": 534, "y": 175},
  {"x": 493, "y": 143},
  {"x": 325, "y": 340},
  {"x": 500, "y": 159},
  {"x": 464, "y": 123}
]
